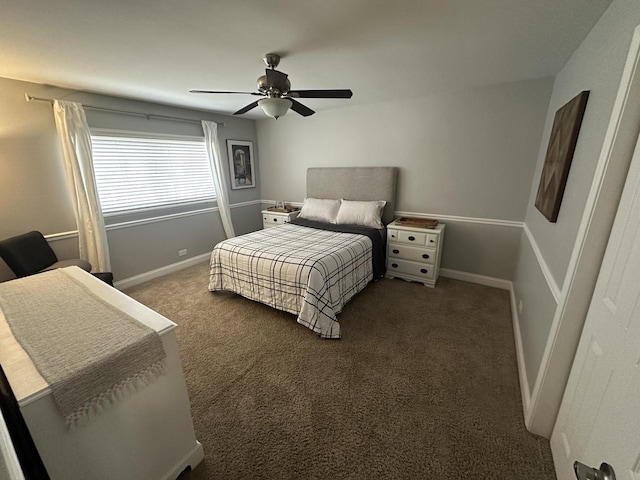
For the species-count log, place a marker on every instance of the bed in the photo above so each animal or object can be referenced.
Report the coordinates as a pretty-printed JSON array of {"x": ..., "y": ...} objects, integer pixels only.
[{"x": 312, "y": 268}]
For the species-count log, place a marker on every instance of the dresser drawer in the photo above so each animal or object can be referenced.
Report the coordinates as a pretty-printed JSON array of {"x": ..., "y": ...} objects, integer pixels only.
[
  {"x": 414, "y": 269},
  {"x": 415, "y": 254}
]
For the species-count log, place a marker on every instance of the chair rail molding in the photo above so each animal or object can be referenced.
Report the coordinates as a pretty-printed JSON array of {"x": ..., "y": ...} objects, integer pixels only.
[
  {"x": 455, "y": 218},
  {"x": 53, "y": 237}
]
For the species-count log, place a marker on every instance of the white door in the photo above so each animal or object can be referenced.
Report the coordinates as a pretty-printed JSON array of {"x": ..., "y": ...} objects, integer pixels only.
[{"x": 599, "y": 419}]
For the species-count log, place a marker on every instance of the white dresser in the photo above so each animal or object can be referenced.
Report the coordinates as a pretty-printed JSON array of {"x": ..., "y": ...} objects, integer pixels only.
[
  {"x": 148, "y": 435},
  {"x": 413, "y": 253},
  {"x": 271, "y": 218}
]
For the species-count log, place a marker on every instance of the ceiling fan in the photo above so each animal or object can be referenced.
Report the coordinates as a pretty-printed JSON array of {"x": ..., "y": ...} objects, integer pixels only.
[{"x": 276, "y": 88}]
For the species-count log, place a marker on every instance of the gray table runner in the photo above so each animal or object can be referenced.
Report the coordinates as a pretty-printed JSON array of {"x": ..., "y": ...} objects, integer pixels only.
[{"x": 90, "y": 353}]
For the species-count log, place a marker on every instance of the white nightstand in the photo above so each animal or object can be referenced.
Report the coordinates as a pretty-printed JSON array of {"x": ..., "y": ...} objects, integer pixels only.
[
  {"x": 413, "y": 253},
  {"x": 273, "y": 219}
]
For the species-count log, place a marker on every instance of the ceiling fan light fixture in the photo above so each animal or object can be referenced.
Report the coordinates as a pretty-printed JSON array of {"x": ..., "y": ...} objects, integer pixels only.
[{"x": 275, "y": 107}]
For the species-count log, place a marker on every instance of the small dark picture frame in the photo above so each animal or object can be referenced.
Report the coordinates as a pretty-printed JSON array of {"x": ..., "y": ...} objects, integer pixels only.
[
  {"x": 562, "y": 144},
  {"x": 241, "y": 167}
]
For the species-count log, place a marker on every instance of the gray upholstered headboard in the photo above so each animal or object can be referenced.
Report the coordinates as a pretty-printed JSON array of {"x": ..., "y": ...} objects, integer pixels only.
[{"x": 355, "y": 183}]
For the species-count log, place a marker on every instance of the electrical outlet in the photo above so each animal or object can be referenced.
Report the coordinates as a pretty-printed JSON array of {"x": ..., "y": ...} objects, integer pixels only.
[
  {"x": 182, "y": 253},
  {"x": 520, "y": 306}
]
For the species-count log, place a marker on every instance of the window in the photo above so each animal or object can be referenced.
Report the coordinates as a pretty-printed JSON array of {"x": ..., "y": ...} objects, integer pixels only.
[{"x": 147, "y": 172}]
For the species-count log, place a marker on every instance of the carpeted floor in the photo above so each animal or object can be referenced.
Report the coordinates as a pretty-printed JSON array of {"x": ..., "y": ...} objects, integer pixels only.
[{"x": 423, "y": 384}]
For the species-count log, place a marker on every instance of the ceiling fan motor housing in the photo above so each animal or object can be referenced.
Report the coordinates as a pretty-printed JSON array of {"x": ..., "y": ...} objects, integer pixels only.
[{"x": 264, "y": 87}]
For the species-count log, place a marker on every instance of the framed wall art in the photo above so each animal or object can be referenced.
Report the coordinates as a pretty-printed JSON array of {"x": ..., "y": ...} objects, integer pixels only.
[
  {"x": 562, "y": 144},
  {"x": 241, "y": 167}
]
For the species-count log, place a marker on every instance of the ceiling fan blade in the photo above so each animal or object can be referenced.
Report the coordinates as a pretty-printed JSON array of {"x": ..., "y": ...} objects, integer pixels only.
[
  {"x": 320, "y": 93},
  {"x": 300, "y": 108},
  {"x": 276, "y": 79},
  {"x": 216, "y": 91},
  {"x": 247, "y": 108}
]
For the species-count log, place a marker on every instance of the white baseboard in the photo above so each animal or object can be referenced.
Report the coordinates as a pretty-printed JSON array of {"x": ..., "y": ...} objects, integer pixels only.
[
  {"x": 522, "y": 371},
  {"x": 159, "y": 272},
  {"x": 475, "y": 278}
]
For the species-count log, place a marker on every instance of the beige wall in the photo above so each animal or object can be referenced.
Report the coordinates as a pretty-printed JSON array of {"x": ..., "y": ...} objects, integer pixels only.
[
  {"x": 467, "y": 154},
  {"x": 33, "y": 193}
]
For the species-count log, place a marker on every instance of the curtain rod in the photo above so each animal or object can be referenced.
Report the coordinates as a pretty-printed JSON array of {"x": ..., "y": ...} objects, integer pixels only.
[{"x": 29, "y": 98}]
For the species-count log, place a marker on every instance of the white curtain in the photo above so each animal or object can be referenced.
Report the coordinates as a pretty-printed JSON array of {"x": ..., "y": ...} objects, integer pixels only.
[
  {"x": 75, "y": 139},
  {"x": 219, "y": 179}
]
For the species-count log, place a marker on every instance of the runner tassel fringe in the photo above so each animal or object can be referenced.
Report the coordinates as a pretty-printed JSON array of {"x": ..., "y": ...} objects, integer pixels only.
[{"x": 121, "y": 391}]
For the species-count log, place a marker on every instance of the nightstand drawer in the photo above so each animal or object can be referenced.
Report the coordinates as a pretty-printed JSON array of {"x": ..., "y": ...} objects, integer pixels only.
[
  {"x": 271, "y": 220},
  {"x": 414, "y": 269},
  {"x": 423, "y": 255},
  {"x": 414, "y": 238},
  {"x": 275, "y": 219}
]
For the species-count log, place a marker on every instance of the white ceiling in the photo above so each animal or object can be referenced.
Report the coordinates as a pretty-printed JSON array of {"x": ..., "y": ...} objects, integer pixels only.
[{"x": 158, "y": 50}]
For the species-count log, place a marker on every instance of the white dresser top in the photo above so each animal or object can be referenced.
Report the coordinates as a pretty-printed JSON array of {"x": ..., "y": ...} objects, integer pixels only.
[{"x": 26, "y": 382}]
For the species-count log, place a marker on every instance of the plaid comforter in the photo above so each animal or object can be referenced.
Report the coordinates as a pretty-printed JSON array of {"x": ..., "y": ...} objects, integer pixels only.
[{"x": 306, "y": 271}]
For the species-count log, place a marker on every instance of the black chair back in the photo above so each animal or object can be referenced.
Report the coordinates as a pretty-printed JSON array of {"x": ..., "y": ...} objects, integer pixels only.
[{"x": 27, "y": 254}]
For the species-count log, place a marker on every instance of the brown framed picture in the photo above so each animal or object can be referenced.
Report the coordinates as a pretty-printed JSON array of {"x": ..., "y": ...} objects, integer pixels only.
[
  {"x": 241, "y": 168},
  {"x": 562, "y": 144}
]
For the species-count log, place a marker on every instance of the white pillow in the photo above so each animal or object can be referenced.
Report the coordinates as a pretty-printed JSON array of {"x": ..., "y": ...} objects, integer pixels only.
[
  {"x": 367, "y": 214},
  {"x": 320, "y": 210}
]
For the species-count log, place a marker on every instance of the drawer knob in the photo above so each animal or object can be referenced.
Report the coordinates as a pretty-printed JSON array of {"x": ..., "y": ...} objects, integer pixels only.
[
  {"x": 394, "y": 265},
  {"x": 275, "y": 219},
  {"x": 425, "y": 255},
  {"x": 412, "y": 238},
  {"x": 423, "y": 270},
  {"x": 396, "y": 251},
  {"x": 431, "y": 241}
]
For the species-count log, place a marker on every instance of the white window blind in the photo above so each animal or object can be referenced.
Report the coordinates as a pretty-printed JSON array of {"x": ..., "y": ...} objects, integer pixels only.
[{"x": 134, "y": 173}]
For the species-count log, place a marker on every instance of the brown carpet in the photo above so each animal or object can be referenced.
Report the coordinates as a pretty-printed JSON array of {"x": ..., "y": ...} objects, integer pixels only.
[{"x": 423, "y": 384}]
